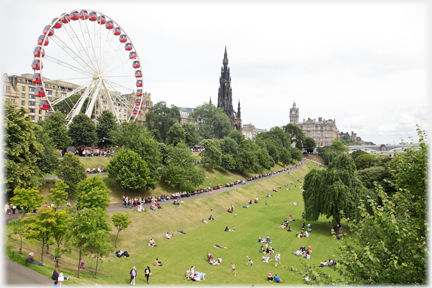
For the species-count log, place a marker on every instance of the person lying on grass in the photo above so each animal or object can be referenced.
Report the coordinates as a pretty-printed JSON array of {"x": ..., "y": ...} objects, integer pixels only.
[
  {"x": 277, "y": 279},
  {"x": 250, "y": 262},
  {"x": 325, "y": 263},
  {"x": 168, "y": 235},
  {"x": 283, "y": 225},
  {"x": 204, "y": 221},
  {"x": 219, "y": 246},
  {"x": 266, "y": 259},
  {"x": 244, "y": 206}
]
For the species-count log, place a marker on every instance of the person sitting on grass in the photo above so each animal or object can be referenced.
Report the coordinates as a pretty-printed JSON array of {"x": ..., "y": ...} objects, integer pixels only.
[
  {"x": 188, "y": 274},
  {"x": 204, "y": 221},
  {"x": 261, "y": 249},
  {"x": 233, "y": 229},
  {"x": 211, "y": 217},
  {"x": 277, "y": 279},
  {"x": 30, "y": 259},
  {"x": 282, "y": 226},
  {"x": 270, "y": 277},
  {"x": 266, "y": 259},
  {"x": 220, "y": 260},
  {"x": 219, "y": 246},
  {"x": 289, "y": 229},
  {"x": 151, "y": 242},
  {"x": 157, "y": 262},
  {"x": 168, "y": 235},
  {"x": 213, "y": 261},
  {"x": 306, "y": 234},
  {"x": 227, "y": 229}
]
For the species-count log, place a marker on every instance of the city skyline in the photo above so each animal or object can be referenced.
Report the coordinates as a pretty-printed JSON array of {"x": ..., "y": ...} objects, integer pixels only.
[{"x": 361, "y": 64}]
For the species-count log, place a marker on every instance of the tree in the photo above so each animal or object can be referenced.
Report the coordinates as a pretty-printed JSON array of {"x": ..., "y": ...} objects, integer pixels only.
[
  {"x": 211, "y": 154},
  {"x": 176, "y": 134},
  {"x": 285, "y": 157},
  {"x": 228, "y": 162},
  {"x": 265, "y": 161},
  {"x": 161, "y": 118},
  {"x": 332, "y": 191},
  {"x": 129, "y": 170},
  {"x": 357, "y": 153},
  {"x": 100, "y": 246},
  {"x": 238, "y": 137},
  {"x": 309, "y": 144},
  {"x": 179, "y": 170},
  {"x": 365, "y": 161},
  {"x": 59, "y": 231},
  {"x": 55, "y": 126},
  {"x": 191, "y": 134},
  {"x": 17, "y": 229},
  {"x": 29, "y": 199},
  {"x": 247, "y": 159},
  {"x": 22, "y": 150},
  {"x": 58, "y": 194},
  {"x": 106, "y": 123},
  {"x": 82, "y": 131},
  {"x": 81, "y": 229},
  {"x": 296, "y": 134},
  {"x": 329, "y": 156},
  {"x": 92, "y": 193},
  {"x": 388, "y": 246},
  {"x": 229, "y": 146},
  {"x": 211, "y": 121},
  {"x": 39, "y": 227},
  {"x": 296, "y": 154},
  {"x": 135, "y": 137},
  {"x": 71, "y": 171},
  {"x": 48, "y": 161},
  {"x": 273, "y": 151},
  {"x": 121, "y": 222},
  {"x": 338, "y": 146}
]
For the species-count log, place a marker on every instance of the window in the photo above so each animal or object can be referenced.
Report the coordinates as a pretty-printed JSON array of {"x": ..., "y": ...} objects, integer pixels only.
[
  {"x": 63, "y": 94},
  {"x": 31, "y": 103},
  {"x": 32, "y": 89},
  {"x": 22, "y": 88},
  {"x": 40, "y": 111},
  {"x": 56, "y": 94},
  {"x": 7, "y": 88},
  {"x": 32, "y": 110},
  {"x": 40, "y": 118},
  {"x": 125, "y": 110},
  {"x": 46, "y": 85},
  {"x": 22, "y": 95},
  {"x": 20, "y": 80},
  {"x": 53, "y": 86},
  {"x": 32, "y": 97},
  {"x": 49, "y": 92},
  {"x": 23, "y": 103}
]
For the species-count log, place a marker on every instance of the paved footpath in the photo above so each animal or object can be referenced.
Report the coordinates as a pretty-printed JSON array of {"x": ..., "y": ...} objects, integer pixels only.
[{"x": 18, "y": 274}]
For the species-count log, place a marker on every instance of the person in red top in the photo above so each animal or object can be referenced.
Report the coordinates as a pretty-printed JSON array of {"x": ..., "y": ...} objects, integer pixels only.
[{"x": 290, "y": 217}]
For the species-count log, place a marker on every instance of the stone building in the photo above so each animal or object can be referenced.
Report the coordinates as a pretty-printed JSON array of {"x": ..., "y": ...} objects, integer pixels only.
[
  {"x": 184, "y": 114},
  {"x": 250, "y": 132},
  {"x": 225, "y": 96},
  {"x": 322, "y": 131},
  {"x": 19, "y": 89},
  {"x": 352, "y": 137}
]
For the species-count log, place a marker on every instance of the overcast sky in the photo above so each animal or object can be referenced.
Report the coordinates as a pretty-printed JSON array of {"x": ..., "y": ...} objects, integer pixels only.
[{"x": 363, "y": 64}]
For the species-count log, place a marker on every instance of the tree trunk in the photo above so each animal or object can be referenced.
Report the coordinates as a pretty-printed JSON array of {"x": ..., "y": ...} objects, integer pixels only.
[
  {"x": 58, "y": 254},
  {"x": 115, "y": 245},
  {"x": 97, "y": 261},
  {"x": 20, "y": 250},
  {"x": 79, "y": 263},
  {"x": 43, "y": 243}
]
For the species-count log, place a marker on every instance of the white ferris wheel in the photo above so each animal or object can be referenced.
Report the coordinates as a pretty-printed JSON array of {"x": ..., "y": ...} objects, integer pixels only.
[{"x": 92, "y": 51}]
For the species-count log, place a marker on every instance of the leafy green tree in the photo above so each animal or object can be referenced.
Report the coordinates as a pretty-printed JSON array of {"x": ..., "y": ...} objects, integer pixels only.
[
  {"x": 228, "y": 162},
  {"x": 58, "y": 194},
  {"x": 17, "y": 229},
  {"x": 191, "y": 134},
  {"x": 29, "y": 199},
  {"x": 338, "y": 146},
  {"x": 82, "y": 227},
  {"x": 332, "y": 191},
  {"x": 39, "y": 227},
  {"x": 365, "y": 161},
  {"x": 48, "y": 161},
  {"x": 296, "y": 134},
  {"x": 265, "y": 161},
  {"x": 106, "y": 123},
  {"x": 135, "y": 137},
  {"x": 93, "y": 193},
  {"x": 357, "y": 153},
  {"x": 212, "y": 122},
  {"x": 238, "y": 137},
  {"x": 22, "y": 150},
  {"x": 121, "y": 222},
  {"x": 229, "y": 146},
  {"x": 161, "y": 118},
  {"x": 296, "y": 154},
  {"x": 59, "y": 231},
  {"x": 71, "y": 171},
  {"x": 329, "y": 156},
  {"x": 285, "y": 157},
  {"x": 309, "y": 144},
  {"x": 273, "y": 151},
  {"x": 176, "y": 134},
  {"x": 55, "y": 126},
  {"x": 100, "y": 246},
  {"x": 179, "y": 170},
  {"x": 82, "y": 131},
  {"x": 129, "y": 170},
  {"x": 247, "y": 159},
  {"x": 211, "y": 154}
]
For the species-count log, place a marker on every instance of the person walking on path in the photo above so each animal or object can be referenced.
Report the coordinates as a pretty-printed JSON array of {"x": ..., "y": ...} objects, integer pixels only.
[
  {"x": 233, "y": 269},
  {"x": 147, "y": 273},
  {"x": 133, "y": 274}
]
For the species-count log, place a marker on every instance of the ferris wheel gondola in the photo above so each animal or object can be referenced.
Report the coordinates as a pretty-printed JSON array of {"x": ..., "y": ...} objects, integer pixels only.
[{"x": 91, "y": 50}]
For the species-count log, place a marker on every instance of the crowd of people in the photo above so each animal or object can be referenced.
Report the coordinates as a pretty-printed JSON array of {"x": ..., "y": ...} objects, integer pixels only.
[{"x": 93, "y": 152}]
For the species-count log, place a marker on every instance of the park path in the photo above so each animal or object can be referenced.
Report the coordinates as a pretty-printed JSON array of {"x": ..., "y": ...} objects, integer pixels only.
[{"x": 20, "y": 275}]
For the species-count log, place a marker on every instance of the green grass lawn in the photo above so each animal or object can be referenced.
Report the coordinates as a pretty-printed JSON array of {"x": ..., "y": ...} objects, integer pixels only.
[{"x": 182, "y": 251}]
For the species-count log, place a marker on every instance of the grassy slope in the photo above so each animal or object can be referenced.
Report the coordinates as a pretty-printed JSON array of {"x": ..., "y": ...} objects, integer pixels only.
[
  {"x": 183, "y": 251},
  {"x": 314, "y": 157}
]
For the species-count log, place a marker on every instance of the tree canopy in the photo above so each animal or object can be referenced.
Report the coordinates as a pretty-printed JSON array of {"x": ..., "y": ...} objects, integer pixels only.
[
  {"x": 309, "y": 144},
  {"x": 106, "y": 123},
  {"x": 22, "y": 150},
  {"x": 29, "y": 199},
  {"x": 55, "y": 126},
  {"x": 191, "y": 134},
  {"x": 129, "y": 170},
  {"x": 82, "y": 131},
  {"x": 296, "y": 134},
  {"x": 71, "y": 171},
  {"x": 212, "y": 153},
  {"x": 211, "y": 121},
  {"x": 121, "y": 222},
  {"x": 161, "y": 117},
  {"x": 176, "y": 134},
  {"x": 93, "y": 193},
  {"x": 365, "y": 161}
]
